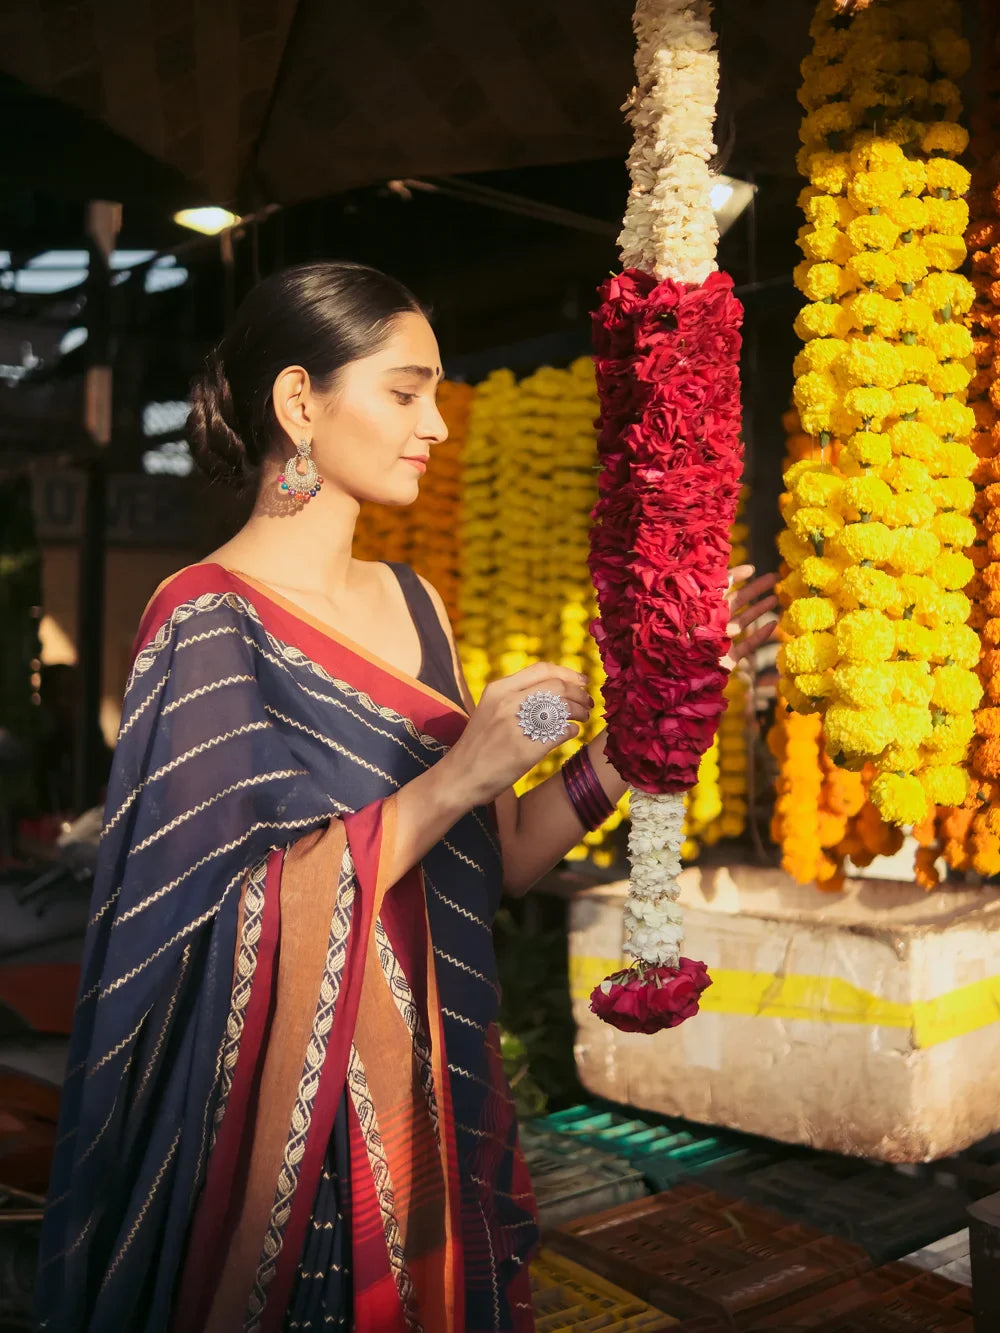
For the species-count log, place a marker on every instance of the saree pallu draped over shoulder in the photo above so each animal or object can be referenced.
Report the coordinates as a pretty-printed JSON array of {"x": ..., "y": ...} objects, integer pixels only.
[{"x": 285, "y": 1105}]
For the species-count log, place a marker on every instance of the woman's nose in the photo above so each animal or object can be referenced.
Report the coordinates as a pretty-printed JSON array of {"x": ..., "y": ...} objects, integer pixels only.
[{"x": 433, "y": 427}]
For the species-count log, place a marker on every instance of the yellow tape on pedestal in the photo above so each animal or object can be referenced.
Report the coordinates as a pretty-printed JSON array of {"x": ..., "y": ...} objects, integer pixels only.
[{"x": 825, "y": 1000}]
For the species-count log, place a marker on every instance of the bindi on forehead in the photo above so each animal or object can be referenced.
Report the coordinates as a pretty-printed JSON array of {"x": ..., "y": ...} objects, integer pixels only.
[{"x": 421, "y": 372}]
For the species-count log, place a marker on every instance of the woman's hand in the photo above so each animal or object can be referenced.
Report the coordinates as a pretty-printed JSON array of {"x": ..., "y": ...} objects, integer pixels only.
[
  {"x": 748, "y": 605},
  {"x": 493, "y": 752}
]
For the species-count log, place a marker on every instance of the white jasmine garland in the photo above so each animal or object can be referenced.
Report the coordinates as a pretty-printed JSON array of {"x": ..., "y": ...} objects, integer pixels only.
[
  {"x": 670, "y": 231},
  {"x": 653, "y": 920},
  {"x": 670, "y": 228}
]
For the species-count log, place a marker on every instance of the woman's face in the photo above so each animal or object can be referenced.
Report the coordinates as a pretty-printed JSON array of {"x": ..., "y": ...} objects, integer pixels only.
[{"x": 372, "y": 435}]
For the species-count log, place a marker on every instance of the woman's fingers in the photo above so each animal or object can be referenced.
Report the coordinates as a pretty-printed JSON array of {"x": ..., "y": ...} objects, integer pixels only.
[
  {"x": 749, "y": 643},
  {"x": 575, "y": 696},
  {"x": 541, "y": 675},
  {"x": 751, "y": 614},
  {"x": 572, "y": 691},
  {"x": 578, "y": 701},
  {"x": 750, "y": 591}
]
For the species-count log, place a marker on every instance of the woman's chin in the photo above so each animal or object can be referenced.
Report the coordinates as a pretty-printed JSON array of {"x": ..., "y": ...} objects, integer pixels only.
[{"x": 395, "y": 497}]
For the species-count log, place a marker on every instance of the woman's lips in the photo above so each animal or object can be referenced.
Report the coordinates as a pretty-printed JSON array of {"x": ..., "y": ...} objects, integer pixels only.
[{"x": 419, "y": 463}]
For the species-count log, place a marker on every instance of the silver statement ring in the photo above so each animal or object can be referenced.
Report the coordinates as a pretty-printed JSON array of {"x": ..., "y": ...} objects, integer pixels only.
[{"x": 543, "y": 716}]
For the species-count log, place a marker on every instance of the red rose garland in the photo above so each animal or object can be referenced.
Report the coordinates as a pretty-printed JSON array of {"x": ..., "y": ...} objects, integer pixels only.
[
  {"x": 667, "y": 342},
  {"x": 667, "y": 358}
]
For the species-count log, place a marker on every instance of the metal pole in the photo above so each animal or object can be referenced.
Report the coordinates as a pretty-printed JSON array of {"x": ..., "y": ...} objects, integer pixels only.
[{"x": 103, "y": 225}]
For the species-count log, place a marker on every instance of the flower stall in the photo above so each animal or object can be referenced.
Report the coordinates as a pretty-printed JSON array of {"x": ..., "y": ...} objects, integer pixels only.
[{"x": 848, "y": 980}]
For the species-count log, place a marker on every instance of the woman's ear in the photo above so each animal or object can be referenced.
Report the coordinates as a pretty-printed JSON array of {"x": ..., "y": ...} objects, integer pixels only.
[{"x": 292, "y": 399}]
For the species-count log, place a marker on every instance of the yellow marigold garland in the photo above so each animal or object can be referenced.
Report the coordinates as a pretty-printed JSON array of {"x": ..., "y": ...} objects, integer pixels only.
[
  {"x": 876, "y": 633},
  {"x": 492, "y": 410},
  {"x": 437, "y": 515},
  {"x": 816, "y": 839},
  {"x": 525, "y": 593},
  {"x": 501, "y": 530},
  {"x": 796, "y": 742}
]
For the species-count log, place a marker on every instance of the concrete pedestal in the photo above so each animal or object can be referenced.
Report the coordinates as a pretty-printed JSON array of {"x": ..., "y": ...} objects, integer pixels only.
[{"x": 865, "y": 1022}]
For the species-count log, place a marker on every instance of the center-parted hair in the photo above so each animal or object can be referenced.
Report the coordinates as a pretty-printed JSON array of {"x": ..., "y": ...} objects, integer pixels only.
[{"x": 320, "y": 316}]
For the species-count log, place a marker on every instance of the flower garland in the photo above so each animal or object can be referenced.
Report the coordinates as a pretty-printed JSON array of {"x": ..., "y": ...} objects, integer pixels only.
[
  {"x": 795, "y": 741},
  {"x": 667, "y": 347},
  {"x": 877, "y": 639},
  {"x": 821, "y": 814},
  {"x": 717, "y": 803},
  {"x": 489, "y": 416},
  {"x": 556, "y": 419},
  {"x": 971, "y": 833},
  {"x": 525, "y": 592}
]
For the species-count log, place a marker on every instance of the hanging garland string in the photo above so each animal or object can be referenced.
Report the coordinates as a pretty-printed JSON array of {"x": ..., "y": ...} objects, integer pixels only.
[{"x": 666, "y": 339}]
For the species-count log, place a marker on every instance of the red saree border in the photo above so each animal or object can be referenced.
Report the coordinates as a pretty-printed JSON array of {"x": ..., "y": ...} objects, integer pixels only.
[
  {"x": 277, "y": 1243},
  {"x": 425, "y": 707},
  {"x": 371, "y": 835},
  {"x": 213, "y": 1214},
  {"x": 442, "y": 1083}
]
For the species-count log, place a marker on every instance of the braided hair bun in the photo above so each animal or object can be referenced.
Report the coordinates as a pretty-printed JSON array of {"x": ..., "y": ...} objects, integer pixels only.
[{"x": 211, "y": 427}]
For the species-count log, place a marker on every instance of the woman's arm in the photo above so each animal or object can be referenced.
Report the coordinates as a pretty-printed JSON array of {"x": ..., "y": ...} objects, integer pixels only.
[
  {"x": 546, "y": 825},
  {"x": 536, "y": 831},
  {"x": 539, "y": 828}
]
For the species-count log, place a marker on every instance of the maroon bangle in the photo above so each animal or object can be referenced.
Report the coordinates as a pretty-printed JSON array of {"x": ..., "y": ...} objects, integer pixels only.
[{"x": 591, "y": 802}]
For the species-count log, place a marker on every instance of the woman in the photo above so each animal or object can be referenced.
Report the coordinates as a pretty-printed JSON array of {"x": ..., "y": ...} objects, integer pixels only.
[{"x": 285, "y": 1107}]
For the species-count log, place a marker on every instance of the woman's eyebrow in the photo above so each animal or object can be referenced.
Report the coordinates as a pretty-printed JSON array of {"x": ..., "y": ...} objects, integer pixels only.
[{"x": 423, "y": 372}]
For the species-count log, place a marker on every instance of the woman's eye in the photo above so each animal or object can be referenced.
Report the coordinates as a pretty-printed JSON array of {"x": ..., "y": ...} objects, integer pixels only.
[{"x": 405, "y": 398}]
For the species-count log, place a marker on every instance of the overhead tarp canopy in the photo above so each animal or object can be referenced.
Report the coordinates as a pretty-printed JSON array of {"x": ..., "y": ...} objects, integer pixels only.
[
  {"x": 282, "y": 100},
  {"x": 287, "y": 100}
]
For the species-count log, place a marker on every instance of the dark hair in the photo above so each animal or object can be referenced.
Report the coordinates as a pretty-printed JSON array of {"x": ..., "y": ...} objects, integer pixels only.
[{"x": 319, "y": 316}]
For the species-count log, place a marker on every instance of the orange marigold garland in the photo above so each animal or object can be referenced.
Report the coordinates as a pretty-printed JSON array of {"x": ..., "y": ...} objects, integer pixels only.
[
  {"x": 795, "y": 741},
  {"x": 971, "y": 832}
]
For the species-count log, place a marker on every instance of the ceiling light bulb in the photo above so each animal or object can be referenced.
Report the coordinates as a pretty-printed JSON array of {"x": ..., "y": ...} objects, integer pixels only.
[
  {"x": 209, "y": 220},
  {"x": 729, "y": 197}
]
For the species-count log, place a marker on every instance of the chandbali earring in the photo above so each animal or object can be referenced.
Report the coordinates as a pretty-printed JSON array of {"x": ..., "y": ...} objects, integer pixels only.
[{"x": 301, "y": 479}]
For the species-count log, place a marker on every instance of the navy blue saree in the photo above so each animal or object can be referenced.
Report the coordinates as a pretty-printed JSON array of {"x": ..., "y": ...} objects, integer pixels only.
[{"x": 285, "y": 1105}]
